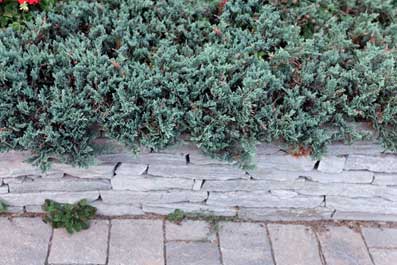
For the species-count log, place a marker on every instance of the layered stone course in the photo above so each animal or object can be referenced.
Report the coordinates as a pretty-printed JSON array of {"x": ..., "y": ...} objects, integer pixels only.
[{"x": 357, "y": 182}]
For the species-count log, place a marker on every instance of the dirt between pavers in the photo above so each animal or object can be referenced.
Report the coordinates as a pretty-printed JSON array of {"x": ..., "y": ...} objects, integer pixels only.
[{"x": 317, "y": 225}]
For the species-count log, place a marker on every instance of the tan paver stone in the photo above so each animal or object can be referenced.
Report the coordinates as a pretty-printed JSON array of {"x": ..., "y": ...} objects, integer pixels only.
[
  {"x": 136, "y": 242},
  {"x": 85, "y": 247},
  {"x": 343, "y": 246},
  {"x": 294, "y": 245},
  {"x": 244, "y": 243},
  {"x": 23, "y": 241},
  {"x": 192, "y": 253}
]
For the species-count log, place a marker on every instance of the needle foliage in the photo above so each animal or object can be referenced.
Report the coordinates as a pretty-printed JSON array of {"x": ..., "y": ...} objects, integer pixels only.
[{"x": 224, "y": 76}]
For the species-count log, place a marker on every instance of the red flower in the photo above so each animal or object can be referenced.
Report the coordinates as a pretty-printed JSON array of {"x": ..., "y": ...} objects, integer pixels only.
[
  {"x": 30, "y": 2},
  {"x": 221, "y": 6}
]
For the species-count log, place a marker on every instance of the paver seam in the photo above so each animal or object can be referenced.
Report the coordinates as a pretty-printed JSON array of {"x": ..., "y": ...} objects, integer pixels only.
[
  {"x": 271, "y": 243},
  {"x": 108, "y": 243},
  {"x": 49, "y": 247},
  {"x": 164, "y": 241},
  {"x": 218, "y": 239},
  {"x": 320, "y": 249},
  {"x": 366, "y": 245}
]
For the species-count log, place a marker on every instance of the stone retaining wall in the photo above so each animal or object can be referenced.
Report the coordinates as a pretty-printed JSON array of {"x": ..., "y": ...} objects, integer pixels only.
[{"x": 350, "y": 182}]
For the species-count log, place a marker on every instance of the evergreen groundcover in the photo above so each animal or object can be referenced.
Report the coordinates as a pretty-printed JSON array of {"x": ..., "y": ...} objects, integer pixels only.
[{"x": 223, "y": 74}]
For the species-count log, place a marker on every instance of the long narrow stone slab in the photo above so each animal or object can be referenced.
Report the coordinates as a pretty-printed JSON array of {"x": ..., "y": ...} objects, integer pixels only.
[
  {"x": 223, "y": 172},
  {"x": 364, "y": 216},
  {"x": 192, "y": 253},
  {"x": 313, "y": 175},
  {"x": 385, "y": 163},
  {"x": 86, "y": 247},
  {"x": 358, "y": 148},
  {"x": 332, "y": 164},
  {"x": 160, "y": 197},
  {"x": 294, "y": 245},
  {"x": 343, "y": 246},
  {"x": 131, "y": 170},
  {"x": 285, "y": 162},
  {"x": 264, "y": 199},
  {"x": 244, "y": 243},
  {"x": 23, "y": 199},
  {"x": 365, "y": 205},
  {"x": 117, "y": 209},
  {"x": 101, "y": 171},
  {"x": 23, "y": 241},
  {"x": 149, "y": 183},
  {"x": 285, "y": 214},
  {"x": 136, "y": 242},
  {"x": 385, "y": 179},
  {"x": 305, "y": 188},
  {"x": 63, "y": 184},
  {"x": 195, "y": 208}
]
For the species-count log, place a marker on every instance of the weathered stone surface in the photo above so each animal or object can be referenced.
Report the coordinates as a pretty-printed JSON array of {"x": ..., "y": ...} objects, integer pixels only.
[
  {"x": 384, "y": 256},
  {"x": 358, "y": 148},
  {"x": 332, "y": 164},
  {"x": 131, "y": 170},
  {"x": 188, "y": 230},
  {"x": 34, "y": 209},
  {"x": 365, "y": 205},
  {"x": 160, "y": 197},
  {"x": 196, "y": 156},
  {"x": 343, "y": 246},
  {"x": 198, "y": 183},
  {"x": 294, "y": 245},
  {"x": 9, "y": 169},
  {"x": 203, "y": 209},
  {"x": 285, "y": 214},
  {"x": 314, "y": 175},
  {"x": 136, "y": 242},
  {"x": 23, "y": 199},
  {"x": 117, "y": 209},
  {"x": 244, "y": 243},
  {"x": 385, "y": 179},
  {"x": 250, "y": 185},
  {"x": 220, "y": 172},
  {"x": 304, "y": 187},
  {"x": 149, "y": 183},
  {"x": 4, "y": 189},
  {"x": 100, "y": 171},
  {"x": 63, "y": 184},
  {"x": 385, "y": 163},
  {"x": 86, "y": 247},
  {"x": 144, "y": 158},
  {"x": 380, "y": 237},
  {"x": 192, "y": 253},
  {"x": 23, "y": 241},
  {"x": 259, "y": 199},
  {"x": 284, "y": 162},
  {"x": 347, "y": 190},
  {"x": 364, "y": 216}
]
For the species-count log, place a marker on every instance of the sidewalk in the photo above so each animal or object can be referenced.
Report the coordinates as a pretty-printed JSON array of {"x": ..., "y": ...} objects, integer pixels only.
[{"x": 28, "y": 241}]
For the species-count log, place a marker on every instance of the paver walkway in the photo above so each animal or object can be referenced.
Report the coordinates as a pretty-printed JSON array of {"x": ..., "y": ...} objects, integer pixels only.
[{"x": 28, "y": 241}]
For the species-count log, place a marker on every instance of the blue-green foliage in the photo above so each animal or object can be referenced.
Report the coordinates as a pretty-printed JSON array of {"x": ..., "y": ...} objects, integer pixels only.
[{"x": 151, "y": 72}]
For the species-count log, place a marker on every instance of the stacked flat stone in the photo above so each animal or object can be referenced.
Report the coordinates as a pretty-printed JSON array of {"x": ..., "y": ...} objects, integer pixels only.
[{"x": 356, "y": 182}]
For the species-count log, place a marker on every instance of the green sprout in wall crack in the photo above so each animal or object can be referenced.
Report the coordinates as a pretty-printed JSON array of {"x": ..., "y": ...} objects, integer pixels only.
[
  {"x": 73, "y": 217},
  {"x": 3, "y": 207}
]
